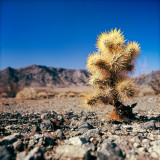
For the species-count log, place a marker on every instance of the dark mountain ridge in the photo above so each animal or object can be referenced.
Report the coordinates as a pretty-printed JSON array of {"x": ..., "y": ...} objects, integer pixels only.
[{"x": 40, "y": 76}]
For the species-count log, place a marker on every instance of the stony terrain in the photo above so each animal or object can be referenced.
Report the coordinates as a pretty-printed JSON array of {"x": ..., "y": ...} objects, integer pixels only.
[{"x": 62, "y": 128}]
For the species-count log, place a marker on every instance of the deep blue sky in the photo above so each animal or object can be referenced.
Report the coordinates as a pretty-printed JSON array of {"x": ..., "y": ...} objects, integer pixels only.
[{"x": 61, "y": 33}]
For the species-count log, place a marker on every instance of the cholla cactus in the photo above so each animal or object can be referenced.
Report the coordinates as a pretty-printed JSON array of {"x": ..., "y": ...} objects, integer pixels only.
[{"x": 108, "y": 68}]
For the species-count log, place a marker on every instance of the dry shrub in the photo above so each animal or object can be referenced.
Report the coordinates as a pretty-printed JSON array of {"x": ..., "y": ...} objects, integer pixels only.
[
  {"x": 42, "y": 95},
  {"x": 62, "y": 95},
  {"x": 27, "y": 93},
  {"x": 71, "y": 94},
  {"x": 68, "y": 94},
  {"x": 35, "y": 93},
  {"x": 81, "y": 95},
  {"x": 4, "y": 95}
]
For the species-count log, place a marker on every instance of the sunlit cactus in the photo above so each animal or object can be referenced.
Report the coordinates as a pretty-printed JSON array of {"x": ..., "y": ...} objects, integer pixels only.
[{"x": 108, "y": 68}]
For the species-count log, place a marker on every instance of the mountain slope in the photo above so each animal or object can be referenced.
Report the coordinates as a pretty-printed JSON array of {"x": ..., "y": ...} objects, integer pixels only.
[{"x": 12, "y": 80}]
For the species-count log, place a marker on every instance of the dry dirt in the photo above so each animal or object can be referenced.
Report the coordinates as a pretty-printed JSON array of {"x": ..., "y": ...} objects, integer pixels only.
[
  {"x": 56, "y": 128},
  {"x": 64, "y": 102}
]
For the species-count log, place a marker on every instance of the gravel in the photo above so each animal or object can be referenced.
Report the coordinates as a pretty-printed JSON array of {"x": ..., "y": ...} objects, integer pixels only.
[{"x": 70, "y": 131}]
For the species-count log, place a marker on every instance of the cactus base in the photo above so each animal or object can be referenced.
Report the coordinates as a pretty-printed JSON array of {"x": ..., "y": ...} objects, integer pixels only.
[{"x": 122, "y": 112}]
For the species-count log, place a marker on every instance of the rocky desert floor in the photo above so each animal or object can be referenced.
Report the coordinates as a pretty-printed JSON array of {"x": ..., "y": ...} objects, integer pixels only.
[{"x": 63, "y": 128}]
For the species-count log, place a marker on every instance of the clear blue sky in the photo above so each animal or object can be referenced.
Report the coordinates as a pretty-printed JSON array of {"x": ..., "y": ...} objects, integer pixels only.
[{"x": 61, "y": 33}]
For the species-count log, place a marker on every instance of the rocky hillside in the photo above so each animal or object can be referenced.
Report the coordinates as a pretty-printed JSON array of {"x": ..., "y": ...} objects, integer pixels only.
[{"x": 12, "y": 80}]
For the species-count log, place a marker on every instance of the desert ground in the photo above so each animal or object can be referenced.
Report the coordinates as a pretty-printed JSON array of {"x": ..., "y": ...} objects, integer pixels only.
[{"x": 62, "y": 127}]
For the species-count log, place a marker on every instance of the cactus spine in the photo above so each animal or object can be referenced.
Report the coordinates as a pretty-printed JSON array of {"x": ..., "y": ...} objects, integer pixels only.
[{"x": 108, "y": 68}]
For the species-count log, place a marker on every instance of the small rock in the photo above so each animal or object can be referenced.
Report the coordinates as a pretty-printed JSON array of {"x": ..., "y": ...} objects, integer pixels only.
[
  {"x": 109, "y": 150},
  {"x": 46, "y": 125},
  {"x": 38, "y": 136},
  {"x": 150, "y": 136},
  {"x": 60, "y": 134},
  {"x": 128, "y": 128},
  {"x": 156, "y": 148},
  {"x": 145, "y": 141},
  {"x": 77, "y": 141},
  {"x": 60, "y": 118},
  {"x": 155, "y": 143},
  {"x": 116, "y": 128},
  {"x": 10, "y": 139},
  {"x": 149, "y": 125},
  {"x": 135, "y": 145},
  {"x": 49, "y": 141},
  {"x": 141, "y": 150},
  {"x": 130, "y": 154},
  {"x": 35, "y": 130},
  {"x": 84, "y": 127},
  {"x": 21, "y": 155},
  {"x": 44, "y": 116},
  {"x": 89, "y": 146},
  {"x": 40, "y": 142},
  {"x": 141, "y": 130},
  {"x": 154, "y": 155},
  {"x": 91, "y": 133},
  {"x": 35, "y": 154},
  {"x": 135, "y": 139},
  {"x": 31, "y": 143},
  {"x": 18, "y": 145}
]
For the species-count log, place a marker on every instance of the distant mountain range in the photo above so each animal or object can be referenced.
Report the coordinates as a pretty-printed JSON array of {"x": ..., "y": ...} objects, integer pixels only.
[{"x": 12, "y": 80}]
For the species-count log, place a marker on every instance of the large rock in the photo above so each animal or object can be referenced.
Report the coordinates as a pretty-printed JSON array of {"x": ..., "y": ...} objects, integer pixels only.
[
  {"x": 6, "y": 153},
  {"x": 109, "y": 151},
  {"x": 72, "y": 151}
]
